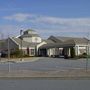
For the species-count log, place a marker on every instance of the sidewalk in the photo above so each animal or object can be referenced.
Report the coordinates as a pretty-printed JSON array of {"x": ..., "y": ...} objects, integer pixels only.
[
  {"x": 64, "y": 74},
  {"x": 19, "y": 60}
]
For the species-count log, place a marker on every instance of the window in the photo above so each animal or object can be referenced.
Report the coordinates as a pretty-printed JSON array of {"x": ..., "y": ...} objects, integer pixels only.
[
  {"x": 32, "y": 52},
  {"x": 36, "y": 39}
]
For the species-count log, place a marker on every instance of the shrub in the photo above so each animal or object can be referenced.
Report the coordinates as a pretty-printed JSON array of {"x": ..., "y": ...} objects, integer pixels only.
[
  {"x": 72, "y": 51},
  {"x": 84, "y": 55},
  {"x": 26, "y": 55},
  {"x": 18, "y": 53}
]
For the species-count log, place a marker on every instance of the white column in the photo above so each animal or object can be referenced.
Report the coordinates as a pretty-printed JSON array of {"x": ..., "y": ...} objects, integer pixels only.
[
  {"x": 69, "y": 52},
  {"x": 87, "y": 50},
  {"x": 77, "y": 50}
]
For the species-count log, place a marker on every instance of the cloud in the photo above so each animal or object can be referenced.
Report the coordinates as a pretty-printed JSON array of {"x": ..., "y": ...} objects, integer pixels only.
[
  {"x": 18, "y": 17},
  {"x": 65, "y": 32},
  {"x": 11, "y": 30},
  {"x": 47, "y": 25},
  {"x": 21, "y": 17},
  {"x": 14, "y": 30},
  {"x": 64, "y": 21}
]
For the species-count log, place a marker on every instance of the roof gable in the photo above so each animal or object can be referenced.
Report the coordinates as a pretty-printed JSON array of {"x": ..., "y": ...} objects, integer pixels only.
[
  {"x": 24, "y": 43},
  {"x": 73, "y": 40},
  {"x": 54, "y": 39}
]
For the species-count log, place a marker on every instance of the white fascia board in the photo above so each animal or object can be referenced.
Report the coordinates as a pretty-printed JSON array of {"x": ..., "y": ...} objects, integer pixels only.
[
  {"x": 40, "y": 44},
  {"x": 15, "y": 42},
  {"x": 28, "y": 47},
  {"x": 81, "y": 45}
]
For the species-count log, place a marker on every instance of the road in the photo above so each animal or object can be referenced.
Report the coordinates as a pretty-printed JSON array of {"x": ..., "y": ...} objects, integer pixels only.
[
  {"x": 46, "y": 64},
  {"x": 43, "y": 84}
]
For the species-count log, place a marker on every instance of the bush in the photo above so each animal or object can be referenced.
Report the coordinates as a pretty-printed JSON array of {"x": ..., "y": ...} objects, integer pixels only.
[
  {"x": 26, "y": 55},
  {"x": 72, "y": 51},
  {"x": 18, "y": 53},
  {"x": 84, "y": 55}
]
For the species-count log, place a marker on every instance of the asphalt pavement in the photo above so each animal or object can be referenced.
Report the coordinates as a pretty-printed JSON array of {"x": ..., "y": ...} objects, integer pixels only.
[
  {"x": 44, "y": 64},
  {"x": 34, "y": 84}
]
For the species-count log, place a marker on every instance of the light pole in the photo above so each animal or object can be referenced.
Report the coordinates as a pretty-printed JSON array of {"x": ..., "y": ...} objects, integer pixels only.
[
  {"x": 1, "y": 44},
  {"x": 8, "y": 54},
  {"x": 88, "y": 41},
  {"x": 21, "y": 31},
  {"x": 87, "y": 59}
]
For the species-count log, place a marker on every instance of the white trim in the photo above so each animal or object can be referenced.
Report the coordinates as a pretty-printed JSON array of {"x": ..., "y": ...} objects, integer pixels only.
[
  {"x": 14, "y": 40},
  {"x": 27, "y": 47},
  {"x": 18, "y": 36}
]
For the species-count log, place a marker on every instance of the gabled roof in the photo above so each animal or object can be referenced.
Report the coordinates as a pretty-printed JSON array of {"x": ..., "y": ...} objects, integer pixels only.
[
  {"x": 54, "y": 39},
  {"x": 76, "y": 40},
  {"x": 24, "y": 44},
  {"x": 30, "y": 30},
  {"x": 29, "y": 33},
  {"x": 57, "y": 45},
  {"x": 65, "y": 42},
  {"x": 81, "y": 41},
  {"x": 48, "y": 41},
  {"x": 63, "y": 38}
]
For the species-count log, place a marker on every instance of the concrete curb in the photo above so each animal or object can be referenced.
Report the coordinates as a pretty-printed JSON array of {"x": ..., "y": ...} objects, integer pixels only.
[{"x": 73, "y": 74}]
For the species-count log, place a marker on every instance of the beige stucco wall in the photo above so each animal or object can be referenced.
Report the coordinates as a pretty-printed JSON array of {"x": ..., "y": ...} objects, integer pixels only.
[
  {"x": 32, "y": 39},
  {"x": 27, "y": 39},
  {"x": 80, "y": 49}
]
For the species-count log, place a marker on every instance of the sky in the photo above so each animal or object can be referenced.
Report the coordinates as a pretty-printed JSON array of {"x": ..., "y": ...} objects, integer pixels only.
[{"x": 47, "y": 17}]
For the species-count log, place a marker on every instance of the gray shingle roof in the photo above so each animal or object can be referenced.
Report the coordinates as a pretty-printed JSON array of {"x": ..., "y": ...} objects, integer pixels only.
[
  {"x": 48, "y": 41},
  {"x": 57, "y": 45},
  {"x": 76, "y": 40},
  {"x": 30, "y": 30},
  {"x": 63, "y": 38},
  {"x": 24, "y": 44},
  {"x": 54, "y": 39},
  {"x": 66, "y": 42},
  {"x": 29, "y": 33}
]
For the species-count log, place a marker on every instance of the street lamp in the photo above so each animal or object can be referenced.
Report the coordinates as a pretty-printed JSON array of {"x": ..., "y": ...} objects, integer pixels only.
[
  {"x": 8, "y": 53},
  {"x": 87, "y": 56},
  {"x": 88, "y": 48},
  {"x": 8, "y": 49},
  {"x": 1, "y": 44},
  {"x": 21, "y": 32}
]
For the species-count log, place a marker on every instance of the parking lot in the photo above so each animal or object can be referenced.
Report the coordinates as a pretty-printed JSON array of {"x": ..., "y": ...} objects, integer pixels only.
[{"x": 45, "y": 64}]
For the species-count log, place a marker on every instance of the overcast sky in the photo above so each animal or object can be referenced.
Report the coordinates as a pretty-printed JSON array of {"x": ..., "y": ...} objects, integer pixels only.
[{"x": 47, "y": 17}]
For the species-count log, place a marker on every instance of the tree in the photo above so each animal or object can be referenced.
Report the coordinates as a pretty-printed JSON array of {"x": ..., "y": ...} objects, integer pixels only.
[{"x": 72, "y": 51}]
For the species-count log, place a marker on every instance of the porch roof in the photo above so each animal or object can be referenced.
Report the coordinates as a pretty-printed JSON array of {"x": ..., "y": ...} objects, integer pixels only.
[
  {"x": 57, "y": 45},
  {"x": 76, "y": 40},
  {"x": 68, "y": 43}
]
